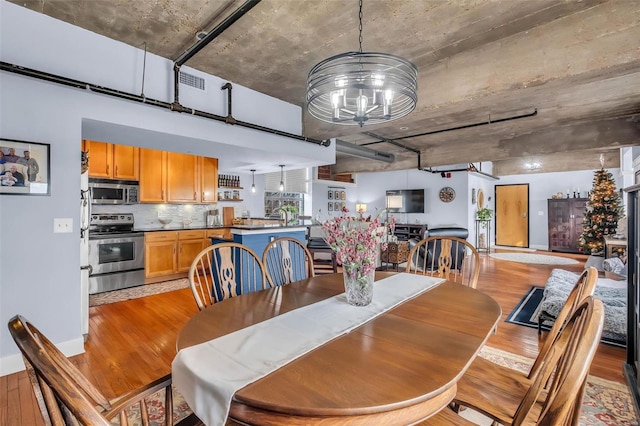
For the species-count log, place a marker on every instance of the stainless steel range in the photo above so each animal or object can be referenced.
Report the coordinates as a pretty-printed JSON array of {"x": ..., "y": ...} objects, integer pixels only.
[{"x": 116, "y": 253}]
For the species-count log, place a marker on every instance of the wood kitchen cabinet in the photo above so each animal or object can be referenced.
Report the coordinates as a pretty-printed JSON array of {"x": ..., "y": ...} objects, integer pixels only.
[
  {"x": 169, "y": 254},
  {"x": 565, "y": 223},
  {"x": 171, "y": 177},
  {"x": 112, "y": 161},
  {"x": 160, "y": 253},
  {"x": 190, "y": 243}
]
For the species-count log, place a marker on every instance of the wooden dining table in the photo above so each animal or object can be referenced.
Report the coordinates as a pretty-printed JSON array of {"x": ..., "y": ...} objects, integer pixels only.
[{"x": 398, "y": 368}]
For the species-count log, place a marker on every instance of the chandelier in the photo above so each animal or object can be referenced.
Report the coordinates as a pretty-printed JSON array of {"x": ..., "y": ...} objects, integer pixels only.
[{"x": 355, "y": 88}]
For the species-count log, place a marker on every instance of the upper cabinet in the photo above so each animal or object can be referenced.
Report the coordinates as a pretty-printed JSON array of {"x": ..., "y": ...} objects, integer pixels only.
[
  {"x": 170, "y": 177},
  {"x": 112, "y": 161}
]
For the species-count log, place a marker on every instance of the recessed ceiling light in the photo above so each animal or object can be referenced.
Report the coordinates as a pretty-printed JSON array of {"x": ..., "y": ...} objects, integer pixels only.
[{"x": 404, "y": 128}]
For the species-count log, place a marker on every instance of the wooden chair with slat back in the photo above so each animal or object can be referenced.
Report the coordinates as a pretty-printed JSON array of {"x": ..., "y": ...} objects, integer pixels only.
[
  {"x": 554, "y": 396},
  {"x": 445, "y": 257},
  {"x": 493, "y": 378},
  {"x": 66, "y": 397},
  {"x": 287, "y": 260},
  {"x": 225, "y": 270}
]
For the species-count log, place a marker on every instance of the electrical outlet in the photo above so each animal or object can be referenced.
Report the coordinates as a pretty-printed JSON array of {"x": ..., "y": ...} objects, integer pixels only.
[{"x": 62, "y": 225}]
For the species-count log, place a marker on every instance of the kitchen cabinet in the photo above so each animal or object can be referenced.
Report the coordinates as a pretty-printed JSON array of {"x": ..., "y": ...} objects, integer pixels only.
[
  {"x": 171, "y": 177},
  {"x": 209, "y": 179},
  {"x": 112, "y": 161},
  {"x": 190, "y": 243},
  {"x": 565, "y": 216},
  {"x": 219, "y": 233},
  {"x": 170, "y": 253},
  {"x": 160, "y": 253}
]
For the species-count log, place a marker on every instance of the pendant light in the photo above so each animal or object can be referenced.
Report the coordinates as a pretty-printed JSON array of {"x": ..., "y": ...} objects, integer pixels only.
[
  {"x": 281, "y": 177},
  {"x": 253, "y": 181},
  {"x": 355, "y": 88}
]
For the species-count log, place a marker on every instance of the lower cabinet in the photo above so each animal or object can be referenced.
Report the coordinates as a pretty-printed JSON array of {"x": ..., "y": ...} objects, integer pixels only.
[{"x": 169, "y": 254}]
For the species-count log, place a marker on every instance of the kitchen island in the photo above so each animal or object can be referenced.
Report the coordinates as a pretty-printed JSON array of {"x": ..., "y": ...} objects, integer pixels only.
[{"x": 257, "y": 237}]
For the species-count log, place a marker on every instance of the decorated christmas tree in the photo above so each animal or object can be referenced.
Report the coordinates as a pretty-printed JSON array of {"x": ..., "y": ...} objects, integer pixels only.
[{"x": 602, "y": 213}]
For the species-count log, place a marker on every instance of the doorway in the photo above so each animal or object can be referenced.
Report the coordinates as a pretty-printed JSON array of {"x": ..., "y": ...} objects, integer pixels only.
[{"x": 512, "y": 215}]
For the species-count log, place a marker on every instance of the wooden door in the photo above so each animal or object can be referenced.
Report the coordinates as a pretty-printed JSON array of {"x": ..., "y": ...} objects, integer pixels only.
[
  {"x": 209, "y": 179},
  {"x": 512, "y": 215},
  {"x": 182, "y": 178},
  {"x": 152, "y": 176},
  {"x": 125, "y": 162},
  {"x": 100, "y": 157}
]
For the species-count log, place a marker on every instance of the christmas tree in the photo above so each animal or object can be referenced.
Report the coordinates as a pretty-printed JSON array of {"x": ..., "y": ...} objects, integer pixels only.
[{"x": 602, "y": 213}]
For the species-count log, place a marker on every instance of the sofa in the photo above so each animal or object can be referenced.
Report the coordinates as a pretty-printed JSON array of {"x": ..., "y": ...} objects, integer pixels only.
[{"x": 613, "y": 294}]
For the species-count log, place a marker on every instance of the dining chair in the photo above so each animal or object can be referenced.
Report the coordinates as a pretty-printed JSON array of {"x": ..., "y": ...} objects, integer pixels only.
[
  {"x": 554, "y": 396},
  {"x": 287, "y": 260},
  {"x": 225, "y": 270},
  {"x": 445, "y": 257},
  {"x": 66, "y": 397}
]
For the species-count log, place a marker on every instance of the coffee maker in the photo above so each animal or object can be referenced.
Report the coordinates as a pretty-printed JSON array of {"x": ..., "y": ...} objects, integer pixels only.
[{"x": 214, "y": 218}]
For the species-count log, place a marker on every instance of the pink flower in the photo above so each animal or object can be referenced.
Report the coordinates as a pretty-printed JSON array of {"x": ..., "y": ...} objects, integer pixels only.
[{"x": 356, "y": 241}]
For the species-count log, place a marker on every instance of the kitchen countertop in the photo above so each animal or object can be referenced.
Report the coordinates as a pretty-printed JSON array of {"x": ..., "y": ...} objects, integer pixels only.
[{"x": 243, "y": 227}]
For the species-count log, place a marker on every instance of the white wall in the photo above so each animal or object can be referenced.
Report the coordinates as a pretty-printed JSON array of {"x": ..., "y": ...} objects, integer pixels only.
[
  {"x": 541, "y": 187},
  {"x": 39, "y": 270}
]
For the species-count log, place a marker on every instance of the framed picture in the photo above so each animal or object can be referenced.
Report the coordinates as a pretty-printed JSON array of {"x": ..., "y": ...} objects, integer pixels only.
[
  {"x": 337, "y": 206},
  {"x": 336, "y": 195},
  {"x": 330, "y": 195},
  {"x": 343, "y": 195},
  {"x": 330, "y": 207},
  {"x": 25, "y": 168},
  {"x": 473, "y": 195}
]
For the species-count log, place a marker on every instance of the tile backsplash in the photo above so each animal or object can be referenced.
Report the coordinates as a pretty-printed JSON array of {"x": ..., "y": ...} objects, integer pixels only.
[{"x": 146, "y": 215}]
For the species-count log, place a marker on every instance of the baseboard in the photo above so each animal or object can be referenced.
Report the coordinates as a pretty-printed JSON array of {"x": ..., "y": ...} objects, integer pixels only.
[{"x": 14, "y": 363}]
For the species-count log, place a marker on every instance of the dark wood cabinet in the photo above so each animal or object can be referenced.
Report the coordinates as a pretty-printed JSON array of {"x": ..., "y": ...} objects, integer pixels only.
[
  {"x": 631, "y": 366},
  {"x": 406, "y": 232},
  {"x": 565, "y": 223}
]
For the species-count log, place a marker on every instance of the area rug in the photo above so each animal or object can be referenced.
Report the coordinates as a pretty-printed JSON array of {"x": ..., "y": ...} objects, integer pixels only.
[
  {"x": 526, "y": 313},
  {"x": 137, "y": 292},
  {"x": 605, "y": 403},
  {"x": 534, "y": 258}
]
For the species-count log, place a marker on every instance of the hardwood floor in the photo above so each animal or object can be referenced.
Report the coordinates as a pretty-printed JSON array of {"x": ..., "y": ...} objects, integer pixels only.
[{"x": 132, "y": 343}]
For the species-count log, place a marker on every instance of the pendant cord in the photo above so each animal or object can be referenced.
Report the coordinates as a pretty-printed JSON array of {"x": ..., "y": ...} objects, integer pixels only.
[{"x": 360, "y": 27}]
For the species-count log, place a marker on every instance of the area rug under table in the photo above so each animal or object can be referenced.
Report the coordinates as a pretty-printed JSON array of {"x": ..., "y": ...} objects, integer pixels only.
[
  {"x": 540, "y": 259},
  {"x": 606, "y": 403}
]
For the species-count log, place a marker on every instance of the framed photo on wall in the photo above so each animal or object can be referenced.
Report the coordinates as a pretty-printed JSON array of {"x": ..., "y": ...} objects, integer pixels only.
[
  {"x": 25, "y": 168},
  {"x": 330, "y": 206},
  {"x": 330, "y": 195}
]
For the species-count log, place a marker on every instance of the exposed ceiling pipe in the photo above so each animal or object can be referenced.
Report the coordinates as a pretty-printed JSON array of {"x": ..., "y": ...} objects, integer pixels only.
[
  {"x": 359, "y": 151},
  {"x": 464, "y": 126},
  {"x": 471, "y": 168},
  {"x": 5, "y": 66},
  {"x": 219, "y": 29},
  {"x": 228, "y": 87},
  {"x": 398, "y": 144}
]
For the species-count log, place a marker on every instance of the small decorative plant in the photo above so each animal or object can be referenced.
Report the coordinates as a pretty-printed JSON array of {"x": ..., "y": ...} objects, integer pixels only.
[{"x": 484, "y": 213}]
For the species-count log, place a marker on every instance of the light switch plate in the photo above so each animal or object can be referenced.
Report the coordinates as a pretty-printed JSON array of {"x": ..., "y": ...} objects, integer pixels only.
[
  {"x": 62, "y": 225},
  {"x": 540, "y": 212}
]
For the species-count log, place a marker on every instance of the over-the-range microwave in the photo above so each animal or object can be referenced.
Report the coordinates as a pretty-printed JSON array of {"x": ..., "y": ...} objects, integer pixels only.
[{"x": 105, "y": 191}]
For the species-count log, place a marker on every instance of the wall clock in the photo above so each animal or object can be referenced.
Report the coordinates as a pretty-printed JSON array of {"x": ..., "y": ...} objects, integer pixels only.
[{"x": 447, "y": 194}]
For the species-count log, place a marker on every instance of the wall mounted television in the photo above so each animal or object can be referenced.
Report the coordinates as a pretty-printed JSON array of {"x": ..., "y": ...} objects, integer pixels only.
[{"x": 405, "y": 201}]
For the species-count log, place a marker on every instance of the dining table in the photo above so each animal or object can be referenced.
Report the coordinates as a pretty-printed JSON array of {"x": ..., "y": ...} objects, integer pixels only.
[{"x": 396, "y": 368}]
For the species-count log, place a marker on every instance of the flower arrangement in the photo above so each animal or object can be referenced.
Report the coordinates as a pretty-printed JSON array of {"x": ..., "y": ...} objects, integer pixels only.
[{"x": 356, "y": 241}]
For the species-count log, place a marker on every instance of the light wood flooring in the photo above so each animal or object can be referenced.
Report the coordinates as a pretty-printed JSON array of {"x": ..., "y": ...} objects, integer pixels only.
[{"x": 133, "y": 342}]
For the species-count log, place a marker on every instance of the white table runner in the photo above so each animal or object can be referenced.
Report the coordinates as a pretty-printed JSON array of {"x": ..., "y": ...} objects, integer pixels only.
[{"x": 209, "y": 374}]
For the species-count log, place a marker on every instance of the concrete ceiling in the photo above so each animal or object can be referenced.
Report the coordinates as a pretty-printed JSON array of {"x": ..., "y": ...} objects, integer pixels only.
[{"x": 576, "y": 63}]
